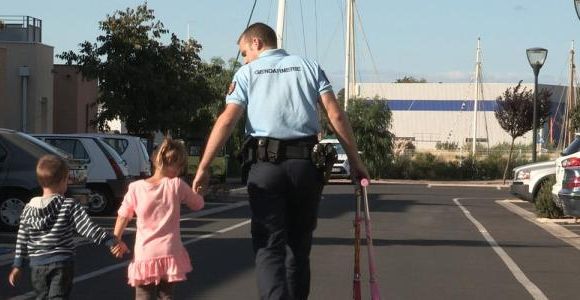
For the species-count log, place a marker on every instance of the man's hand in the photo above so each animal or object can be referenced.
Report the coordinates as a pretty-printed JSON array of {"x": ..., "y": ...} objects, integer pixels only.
[
  {"x": 14, "y": 276},
  {"x": 359, "y": 171},
  {"x": 200, "y": 183},
  {"x": 120, "y": 249}
]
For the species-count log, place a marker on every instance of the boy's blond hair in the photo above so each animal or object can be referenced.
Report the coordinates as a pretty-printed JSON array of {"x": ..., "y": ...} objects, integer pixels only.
[
  {"x": 170, "y": 153},
  {"x": 51, "y": 170}
]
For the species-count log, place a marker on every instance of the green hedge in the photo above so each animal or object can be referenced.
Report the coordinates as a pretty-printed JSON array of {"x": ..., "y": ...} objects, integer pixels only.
[{"x": 430, "y": 167}]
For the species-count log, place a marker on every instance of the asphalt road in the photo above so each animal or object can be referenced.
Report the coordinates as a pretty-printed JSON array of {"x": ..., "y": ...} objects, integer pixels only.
[{"x": 431, "y": 242}]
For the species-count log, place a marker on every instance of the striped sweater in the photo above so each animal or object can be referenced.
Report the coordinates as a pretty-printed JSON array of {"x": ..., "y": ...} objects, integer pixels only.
[{"x": 47, "y": 227}]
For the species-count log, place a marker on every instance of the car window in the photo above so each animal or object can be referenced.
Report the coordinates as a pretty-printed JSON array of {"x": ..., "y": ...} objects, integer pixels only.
[
  {"x": 3, "y": 154},
  {"x": 110, "y": 152},
  {"x": 195, "y": 150},
  {"x": 39, "y": 146},
  {"x": 339, "y": 149},
  {"x": 144, "y": 150},
  {"x": 72, "y": 146},
  {"x": 572, "y": 148},
  {"x": 120, "y": 145}
]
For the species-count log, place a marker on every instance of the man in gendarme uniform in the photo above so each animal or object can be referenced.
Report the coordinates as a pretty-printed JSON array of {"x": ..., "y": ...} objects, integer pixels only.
[{"x": 280, "y": 93}]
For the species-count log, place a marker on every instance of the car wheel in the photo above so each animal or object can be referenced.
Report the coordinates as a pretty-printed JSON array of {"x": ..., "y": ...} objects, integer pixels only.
[
  {"x": 538, "y": 189},
  {"x": 100, "y": 201},
  {"x": 11, "y": 207}
]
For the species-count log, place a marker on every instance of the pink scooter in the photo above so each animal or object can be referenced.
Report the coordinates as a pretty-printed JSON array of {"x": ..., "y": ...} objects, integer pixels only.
[{"x": 361, "y": 196}]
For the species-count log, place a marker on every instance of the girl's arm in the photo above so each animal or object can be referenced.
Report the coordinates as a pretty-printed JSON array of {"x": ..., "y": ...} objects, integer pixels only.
[{"x": 120, "y": 226}]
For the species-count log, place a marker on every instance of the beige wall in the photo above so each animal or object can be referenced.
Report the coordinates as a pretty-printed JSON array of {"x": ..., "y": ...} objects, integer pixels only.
[
  {"x": 40, "y": 105},
  {"x": 429, "y": 126},
  {"x": 74, "y": 100}
]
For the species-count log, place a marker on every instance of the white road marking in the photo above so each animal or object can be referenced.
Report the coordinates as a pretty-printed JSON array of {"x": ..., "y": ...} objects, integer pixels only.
[
  {"x": 114, "y": 267},
  {"x": 508, "y": 261},
  {"x": 195, "y": 239},
  {"x": 7, "y": 259},
  {"x": 496, "y": 186}
]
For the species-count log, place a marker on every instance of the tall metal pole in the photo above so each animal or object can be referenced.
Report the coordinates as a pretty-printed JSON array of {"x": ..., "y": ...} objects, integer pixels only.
[
  {"x": 571, "y": 99},
  {"x": 535, "y": 109},
  {"x": 476, "y": 98},
  {"x": 348, "y": 48},
  {"x": 280, "y": 22}
]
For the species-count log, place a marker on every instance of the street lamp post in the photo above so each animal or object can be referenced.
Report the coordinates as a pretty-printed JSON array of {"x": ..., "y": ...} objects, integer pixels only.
[{"x": 536, "y": 57}]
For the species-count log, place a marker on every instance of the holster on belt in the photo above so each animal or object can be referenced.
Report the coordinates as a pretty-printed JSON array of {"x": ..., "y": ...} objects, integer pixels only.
[
  {"x": 323, "y": 157},
  {"x": 247, "y": 154}
]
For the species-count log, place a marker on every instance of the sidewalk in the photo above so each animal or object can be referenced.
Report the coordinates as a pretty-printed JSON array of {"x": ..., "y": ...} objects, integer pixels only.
[{"x": 567, "y": 229}]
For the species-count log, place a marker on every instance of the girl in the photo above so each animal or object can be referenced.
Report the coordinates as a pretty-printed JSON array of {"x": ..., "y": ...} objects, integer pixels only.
[{"x": 160, "y": 260}]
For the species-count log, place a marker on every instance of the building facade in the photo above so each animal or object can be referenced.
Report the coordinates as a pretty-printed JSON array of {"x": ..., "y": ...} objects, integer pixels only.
[
  {"x": 74, "y": 101},
  {"x": 26, "y": 78},
  {"x": 431, "y": 113}
]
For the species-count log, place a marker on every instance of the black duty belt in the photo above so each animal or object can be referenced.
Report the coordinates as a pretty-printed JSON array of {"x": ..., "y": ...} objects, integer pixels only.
[{"x": 274, "y": 150}]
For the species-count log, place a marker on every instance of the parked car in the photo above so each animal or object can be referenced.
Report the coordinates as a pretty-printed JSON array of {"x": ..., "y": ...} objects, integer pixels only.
[
  {"x": 341, "y": 168},
  {"x": 569, "y": 159},
  {"x": 569, "y": 195},
  {"x": 132, "y": 149},
  {"x": 529, "y": 179},
  {"x": 218, "y": 167},
  {"x": 107, "y": 172},
  {"x": 19, "y": 154}
]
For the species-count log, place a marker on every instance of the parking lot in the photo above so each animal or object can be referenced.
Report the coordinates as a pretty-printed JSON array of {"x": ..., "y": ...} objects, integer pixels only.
[{"x": 465, "y": 242}]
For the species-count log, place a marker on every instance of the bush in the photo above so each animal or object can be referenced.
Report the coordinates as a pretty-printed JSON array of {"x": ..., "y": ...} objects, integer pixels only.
[
  {"x": 545, "y": 207},
  {"x": 430, "y": 167},
  {"x": 446, "y": 146}
]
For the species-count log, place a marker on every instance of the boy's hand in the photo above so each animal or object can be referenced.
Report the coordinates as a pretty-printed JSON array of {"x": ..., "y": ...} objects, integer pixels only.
[
  {"x": 14, "y": 276},
  {"x": 120, "y": 249}
]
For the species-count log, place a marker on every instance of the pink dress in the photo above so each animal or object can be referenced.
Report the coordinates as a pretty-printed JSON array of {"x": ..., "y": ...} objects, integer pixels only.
[{"x": 159, "y": 253}]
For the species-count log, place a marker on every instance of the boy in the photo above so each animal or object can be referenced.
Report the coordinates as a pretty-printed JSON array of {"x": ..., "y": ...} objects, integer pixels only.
[{"x": 47, "y": 227}]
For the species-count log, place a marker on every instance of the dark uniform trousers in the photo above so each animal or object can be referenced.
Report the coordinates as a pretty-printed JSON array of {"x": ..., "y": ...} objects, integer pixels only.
[{"x": 284, "y": 199}]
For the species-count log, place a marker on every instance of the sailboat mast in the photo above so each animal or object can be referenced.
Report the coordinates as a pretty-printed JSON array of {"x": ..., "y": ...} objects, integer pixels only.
[
  {"x": 280, "y": 22},
  {"x": 349, "y": 49},
  {"x": 477, "y": 93},
  {"x": 571, "y": 99}
]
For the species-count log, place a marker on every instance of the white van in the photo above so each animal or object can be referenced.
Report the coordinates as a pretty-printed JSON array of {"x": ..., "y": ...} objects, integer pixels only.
[{"x": 132, "y": 149}]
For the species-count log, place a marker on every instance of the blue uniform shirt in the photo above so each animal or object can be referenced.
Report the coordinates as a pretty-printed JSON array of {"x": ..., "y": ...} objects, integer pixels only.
[{"x": 280, "y": 93}]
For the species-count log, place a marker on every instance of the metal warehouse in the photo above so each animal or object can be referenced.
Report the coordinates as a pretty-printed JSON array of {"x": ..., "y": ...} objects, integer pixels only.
[{"x": 428, "y": 113}]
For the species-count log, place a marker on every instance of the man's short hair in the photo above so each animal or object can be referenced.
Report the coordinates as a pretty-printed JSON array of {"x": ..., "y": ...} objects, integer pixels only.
[
  {"x": 51, "y": 170},
  {"x": 262, "y": 32}
]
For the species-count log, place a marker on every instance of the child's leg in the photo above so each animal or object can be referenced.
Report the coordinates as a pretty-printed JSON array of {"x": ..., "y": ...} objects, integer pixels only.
[
  {"x": 39, "y": 278},
  {"x": 54, "y": 280},
  {"x": 61, "y": 280},
  {"x": 165, "y": 290},
  {"x": 146, "y": 292}
]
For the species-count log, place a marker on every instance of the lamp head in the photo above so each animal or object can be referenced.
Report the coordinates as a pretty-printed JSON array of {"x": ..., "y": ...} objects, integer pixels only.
[{"x": 537, "y": 56}]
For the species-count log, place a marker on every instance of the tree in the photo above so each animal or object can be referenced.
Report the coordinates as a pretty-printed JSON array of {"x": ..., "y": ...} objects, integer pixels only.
[
  {"x": 410, "y": 79},
  {"x": 370, "y": 121},
  {"x": 514, "y": 113},
  {"x": 147, "y": 85},
  {"x": 575, "y": 118}
]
